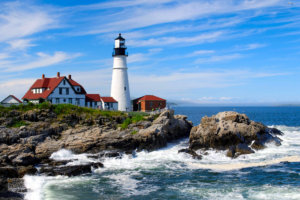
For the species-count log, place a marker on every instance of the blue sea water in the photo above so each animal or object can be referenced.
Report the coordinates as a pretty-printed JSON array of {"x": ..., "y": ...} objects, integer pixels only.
[{"x": 165, "y": 174}]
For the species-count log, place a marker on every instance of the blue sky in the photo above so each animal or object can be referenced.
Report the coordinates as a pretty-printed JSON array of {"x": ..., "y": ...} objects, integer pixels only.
[{"x": 209, "y": 52}]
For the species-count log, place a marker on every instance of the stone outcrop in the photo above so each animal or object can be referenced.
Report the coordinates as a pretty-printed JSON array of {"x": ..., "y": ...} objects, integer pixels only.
[
  {"x": 144, "y": 135},
  {"x": 232, "y": 131},
  {"x": 21, "y": 149}
]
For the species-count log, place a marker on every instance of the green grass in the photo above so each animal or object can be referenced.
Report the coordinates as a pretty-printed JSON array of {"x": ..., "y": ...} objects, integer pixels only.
[
  {"x": 60, "y": 109},
  {"x": 17, "y": 124},
  {"x": 131, "y": 119},
  {"x": 125, "y": 123},
  {"x": 134, "y": 132}
]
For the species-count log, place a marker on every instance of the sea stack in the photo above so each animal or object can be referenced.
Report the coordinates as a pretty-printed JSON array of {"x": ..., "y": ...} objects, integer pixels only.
[{"x": 120, "y": 84}]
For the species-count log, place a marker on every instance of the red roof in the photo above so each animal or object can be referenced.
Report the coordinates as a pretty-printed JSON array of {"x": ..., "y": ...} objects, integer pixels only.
[
  {"x": 16, "y": 98},
  {"x": 108, "y": 99},
  {"x": 92, "y": 97},
  {"x": 13, "y": 98},
  {"x": 74, "y": 83},
  {"x": 50, "y": 84},
  {"x": 150, "y": 98}
]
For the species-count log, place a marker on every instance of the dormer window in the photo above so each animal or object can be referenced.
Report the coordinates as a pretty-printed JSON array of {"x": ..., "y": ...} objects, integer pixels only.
[{"x": 64, "y": 82}]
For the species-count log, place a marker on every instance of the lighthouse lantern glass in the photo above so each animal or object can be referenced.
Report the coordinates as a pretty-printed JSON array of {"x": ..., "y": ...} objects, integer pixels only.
[{"x": 117, "y": 43}]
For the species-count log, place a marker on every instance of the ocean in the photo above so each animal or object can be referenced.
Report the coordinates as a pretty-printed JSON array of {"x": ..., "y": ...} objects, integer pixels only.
[{"x": 165, "y": 174}]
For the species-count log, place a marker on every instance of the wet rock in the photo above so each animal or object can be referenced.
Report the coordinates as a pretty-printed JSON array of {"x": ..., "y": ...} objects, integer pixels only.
[
  {"x": 110, "y": 154},
  {"x": 16, "y": 185},
  {"x": 71, "y": 170},
  {"x": 25, "y": 159},
  {"x": 5, "y": 173},
  {"x": 232, "y": 131},
  {"x": 243, "y": 149},
  {"x": 191, "y": 152},
  {"x": 29, "y": 170},
  {"x": 240, "y": 149}
]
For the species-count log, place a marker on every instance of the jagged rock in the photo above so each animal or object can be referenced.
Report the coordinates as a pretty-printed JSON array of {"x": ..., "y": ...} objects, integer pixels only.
[
  {"x": 191, "y": 152},
  {"x": 233, "y": 131},
  {"x": 72, "y": 170},
  {"x": 22, "y": 170},
  {"x": 25, "y": 159},
  {"x": 110, "y": 154},
  {"x": 93, "y": 139},
  {"x": 235, "y": 151},
  {"x": 5, "y": 173}
]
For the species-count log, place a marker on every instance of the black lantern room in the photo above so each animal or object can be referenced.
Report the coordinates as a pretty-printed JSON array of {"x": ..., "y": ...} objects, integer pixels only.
[{"x": 120, "y": 48}]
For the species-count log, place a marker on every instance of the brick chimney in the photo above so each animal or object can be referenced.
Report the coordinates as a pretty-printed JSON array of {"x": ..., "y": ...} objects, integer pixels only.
[
  {"x": 43, "y": 76},
  {"x": 58, "y": 74},
  {"x": 70, "y": 77}
]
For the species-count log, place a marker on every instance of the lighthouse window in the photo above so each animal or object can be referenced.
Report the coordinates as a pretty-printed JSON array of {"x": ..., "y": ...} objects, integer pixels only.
[{"x": 125, "y": 88}]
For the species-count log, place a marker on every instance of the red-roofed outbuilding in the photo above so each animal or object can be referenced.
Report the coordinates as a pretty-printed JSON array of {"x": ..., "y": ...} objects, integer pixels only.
[
  {"x": 109, "y": 103},
  {"x": 148, "y": 103}
]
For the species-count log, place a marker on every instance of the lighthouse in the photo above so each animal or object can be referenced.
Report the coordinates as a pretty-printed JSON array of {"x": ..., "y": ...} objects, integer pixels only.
[{"x": 119, "y": 84}]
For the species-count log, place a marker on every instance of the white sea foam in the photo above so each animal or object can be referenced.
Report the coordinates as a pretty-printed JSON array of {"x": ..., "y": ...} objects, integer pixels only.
[
  {"x": 34, "y": 185},
  {"x": 75, "y": 159},
  {"x": 169, "y": 157},
  {"x": 122, "y": 171}
]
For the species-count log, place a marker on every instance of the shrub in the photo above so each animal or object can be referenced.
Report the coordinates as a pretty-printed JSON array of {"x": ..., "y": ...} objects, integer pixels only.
[{"x": 44, "y": 105}]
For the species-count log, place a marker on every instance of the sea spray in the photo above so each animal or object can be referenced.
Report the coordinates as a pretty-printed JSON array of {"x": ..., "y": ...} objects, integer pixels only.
[{"x": 148, "y": 174}]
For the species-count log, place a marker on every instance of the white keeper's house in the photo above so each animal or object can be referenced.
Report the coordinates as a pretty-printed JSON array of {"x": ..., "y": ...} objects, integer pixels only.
[{"x": 62, "y": 90}]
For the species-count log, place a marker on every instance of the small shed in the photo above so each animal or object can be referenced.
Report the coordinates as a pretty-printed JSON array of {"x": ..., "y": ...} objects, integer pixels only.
[
  {"x": 148, "y": 103},
  {"x": 10, "y": 100},
  {"x": 109, "y": 103}
]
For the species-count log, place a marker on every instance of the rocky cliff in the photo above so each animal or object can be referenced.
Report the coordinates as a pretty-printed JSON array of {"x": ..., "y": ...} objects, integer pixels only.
[{"x": 22, "y": 148}]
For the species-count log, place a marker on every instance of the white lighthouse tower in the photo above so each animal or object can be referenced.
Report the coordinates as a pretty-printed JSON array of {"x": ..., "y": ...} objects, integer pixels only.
[{"x": 119, "y": 84}]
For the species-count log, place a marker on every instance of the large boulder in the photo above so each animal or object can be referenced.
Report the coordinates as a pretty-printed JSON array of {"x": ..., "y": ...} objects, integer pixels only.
[{"x": 232, "y": 131}]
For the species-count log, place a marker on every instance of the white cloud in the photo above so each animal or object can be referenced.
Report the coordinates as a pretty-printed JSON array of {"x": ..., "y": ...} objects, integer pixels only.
[
  {"x": 18, "y": 20},
  {"x": 146, "y": 15},
  {"x": 218, "y": 58},
  {"x": 20, "y": 44},
  {"x": 139, "y": 57},
  {"x": 17, "y": 87},
  {"x": 249, "y": 47},
  {"x": 172, "y": 86},
  {"x": 43, "y": 60},
  {"x": 197, "y": 39}
]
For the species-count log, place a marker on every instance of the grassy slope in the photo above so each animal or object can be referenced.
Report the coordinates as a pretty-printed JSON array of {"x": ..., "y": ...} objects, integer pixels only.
[{"x": 62, "y": 110}]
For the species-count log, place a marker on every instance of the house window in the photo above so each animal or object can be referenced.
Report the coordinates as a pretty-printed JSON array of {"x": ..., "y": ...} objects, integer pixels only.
[
  {"x": 67, "y": 91},
  {"x": 65, "y": 100},
  {"x": 124, "y": 88},
  {"x": 57, "y": 100},
  {"x": 151, "y": 104},
  {"x": 60, "y": 90},
  {"x": 70, "y": 100},
  {"x": 91, "y": 104},
  {"x": 64, "y": 82},
  {"x": 77, "y": 101}
]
